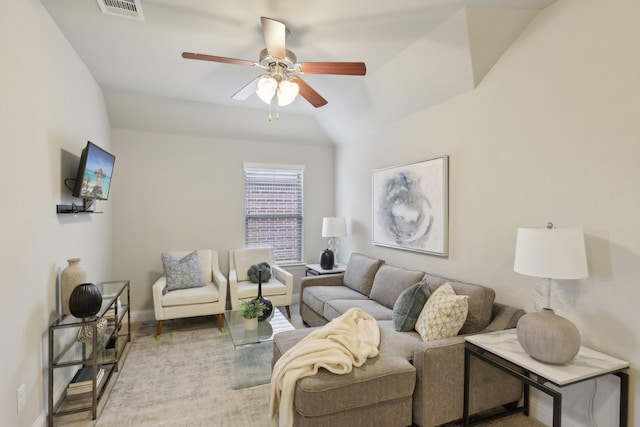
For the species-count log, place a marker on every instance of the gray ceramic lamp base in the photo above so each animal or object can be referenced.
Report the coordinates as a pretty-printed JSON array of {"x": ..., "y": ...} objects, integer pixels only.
[{"x": 547, "y": 337}]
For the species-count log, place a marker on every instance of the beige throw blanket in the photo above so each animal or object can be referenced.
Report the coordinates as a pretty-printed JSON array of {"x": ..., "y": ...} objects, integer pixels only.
[{"x": 339, "y": 345}]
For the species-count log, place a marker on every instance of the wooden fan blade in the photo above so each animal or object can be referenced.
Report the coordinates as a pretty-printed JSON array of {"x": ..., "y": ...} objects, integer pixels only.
[
  {"x": 345, "y": 68},
  {"x": 247, "y": 90},
  {"x": 275, "y": 35},
  {"x": 308, "y": 93},
  {"x": 202, "y": 57}
]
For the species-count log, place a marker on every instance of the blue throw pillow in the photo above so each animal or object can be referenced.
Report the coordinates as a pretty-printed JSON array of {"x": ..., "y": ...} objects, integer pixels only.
[
  {"x": 182, "y": 274},
  {"x": 408, "y": 306}
]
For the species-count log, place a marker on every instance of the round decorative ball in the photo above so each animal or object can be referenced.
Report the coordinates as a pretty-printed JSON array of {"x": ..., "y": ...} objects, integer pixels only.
[
  {"x": 547, "y": 337},
  {"x": 85, "y": 300}
]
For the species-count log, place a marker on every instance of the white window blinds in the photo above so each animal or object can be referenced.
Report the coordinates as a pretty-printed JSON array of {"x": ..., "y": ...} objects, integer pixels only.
[{"x": 273, "y": 197}]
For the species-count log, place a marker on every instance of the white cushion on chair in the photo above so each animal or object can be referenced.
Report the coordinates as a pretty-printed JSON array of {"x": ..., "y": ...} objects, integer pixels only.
[
  {"x": 207, "y": 293},
  {"x": 249, "y": 289}
]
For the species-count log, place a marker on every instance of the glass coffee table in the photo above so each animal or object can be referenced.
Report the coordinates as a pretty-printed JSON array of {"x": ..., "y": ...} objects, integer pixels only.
[{"x": 253, "y": 349}]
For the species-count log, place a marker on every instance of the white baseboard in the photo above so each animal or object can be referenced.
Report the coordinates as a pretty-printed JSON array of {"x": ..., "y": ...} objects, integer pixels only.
[
  {"x": 41, "y": 421},
  {"x": 149, "y": 315},
  {"x": 142, "y": 316}
]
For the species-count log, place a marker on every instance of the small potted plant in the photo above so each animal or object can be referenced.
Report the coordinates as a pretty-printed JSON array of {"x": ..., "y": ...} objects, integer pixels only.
[{"x": 251, "y": 310}]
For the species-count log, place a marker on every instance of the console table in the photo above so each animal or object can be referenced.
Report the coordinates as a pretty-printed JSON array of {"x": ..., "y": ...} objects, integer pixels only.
[
  {"x": 502, "y": 350},
  {"x": 107, "y": 351}
]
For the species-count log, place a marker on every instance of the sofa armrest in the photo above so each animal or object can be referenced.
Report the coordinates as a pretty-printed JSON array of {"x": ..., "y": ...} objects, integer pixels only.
[
  {"x": 221, "y": 283},
  {"x": 440, "y": 372},
  {"x": 503, "y": 317},
  {"x": 322, "y": 280},
  {"x": 439, "y": 380},
  {"x": 156, "y": 290},
  {"x": 285, "y": 277}
]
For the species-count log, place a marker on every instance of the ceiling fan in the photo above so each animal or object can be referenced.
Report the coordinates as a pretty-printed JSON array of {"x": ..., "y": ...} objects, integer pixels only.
[{"x": 282, "y": 79}]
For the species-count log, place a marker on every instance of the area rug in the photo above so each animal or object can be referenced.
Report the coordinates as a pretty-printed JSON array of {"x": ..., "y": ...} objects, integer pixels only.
[{"x": 186, "y": 379}]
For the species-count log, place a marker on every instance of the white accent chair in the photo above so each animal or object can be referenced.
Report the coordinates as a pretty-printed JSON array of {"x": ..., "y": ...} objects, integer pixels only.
[
  {"x": 201, "y": 301},
  {"x": 279, "y": 289}
]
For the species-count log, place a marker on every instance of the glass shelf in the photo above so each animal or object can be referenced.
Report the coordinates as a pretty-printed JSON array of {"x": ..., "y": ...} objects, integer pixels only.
[{"x": 65, "y": 351}]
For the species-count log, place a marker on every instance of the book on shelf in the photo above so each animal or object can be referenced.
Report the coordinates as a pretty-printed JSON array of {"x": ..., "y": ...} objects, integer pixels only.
[
  {"x": 83, "y": 395},
  {"x": 84, "y": 377},
  {"x": 82, "y": 398},
  {"x": 88, "y": 387},
  {"x": 110, "y": 315}
]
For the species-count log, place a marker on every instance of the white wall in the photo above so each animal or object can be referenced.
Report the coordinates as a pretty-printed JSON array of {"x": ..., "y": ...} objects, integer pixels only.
[
  {"x": 50, "y": 106},
  {"x": 551, "y": 134},
  {"x": 179, "y": 192}
]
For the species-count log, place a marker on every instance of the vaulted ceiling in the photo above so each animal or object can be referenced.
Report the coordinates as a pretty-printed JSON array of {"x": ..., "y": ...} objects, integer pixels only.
[{"x": 418, "y": 53}]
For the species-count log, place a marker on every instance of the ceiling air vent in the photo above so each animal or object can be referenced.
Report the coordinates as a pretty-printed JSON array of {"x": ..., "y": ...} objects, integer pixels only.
[{"x": 127, "y": 8}]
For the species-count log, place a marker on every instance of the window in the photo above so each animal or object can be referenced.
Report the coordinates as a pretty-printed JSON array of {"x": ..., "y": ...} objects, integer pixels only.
[{"x": 273, "y": 200}]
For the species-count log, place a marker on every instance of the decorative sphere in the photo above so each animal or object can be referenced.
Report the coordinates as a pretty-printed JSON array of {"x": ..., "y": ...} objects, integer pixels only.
[
  {"x": 85, "y": 300},
  {"x": 547, "y": 337}
]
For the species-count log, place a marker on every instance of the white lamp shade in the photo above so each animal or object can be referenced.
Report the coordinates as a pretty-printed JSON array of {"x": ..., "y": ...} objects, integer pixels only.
[
  {"x": 334, "y": 227},
  {"x": 266, "y": 88},
  {"x": 551, "y": 253},
  {"x": 287, "y": 92}
]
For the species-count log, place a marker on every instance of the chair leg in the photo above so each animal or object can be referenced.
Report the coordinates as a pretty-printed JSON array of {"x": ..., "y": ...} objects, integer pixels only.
[
  {"x": 221, "y": 321},
  {"x": 288, "y": 311},
  {"x": 159, "y": 331}
]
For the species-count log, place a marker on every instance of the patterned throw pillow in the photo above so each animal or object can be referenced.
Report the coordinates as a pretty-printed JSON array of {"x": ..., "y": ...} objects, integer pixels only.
[
  {"x": 182, "y": 274},
  {"x": 409, "y": 305},
  {"x": 443, "y": 315}
]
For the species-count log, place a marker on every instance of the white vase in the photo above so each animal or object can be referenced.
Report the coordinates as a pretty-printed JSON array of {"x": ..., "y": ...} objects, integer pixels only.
[
  {"x": 71, "y": 276},
  {"x": 251, "y": 324},
  {"x": 547, "y": 337}
]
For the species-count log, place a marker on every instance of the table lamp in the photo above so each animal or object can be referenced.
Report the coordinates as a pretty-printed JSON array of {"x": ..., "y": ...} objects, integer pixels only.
[
  {"x": 550, "y": 253},
  {"x": 332, "y": 227}
]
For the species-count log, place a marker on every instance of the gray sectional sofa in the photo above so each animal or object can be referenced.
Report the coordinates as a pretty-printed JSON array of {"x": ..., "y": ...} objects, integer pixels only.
[{"x": 411, "y": 381}]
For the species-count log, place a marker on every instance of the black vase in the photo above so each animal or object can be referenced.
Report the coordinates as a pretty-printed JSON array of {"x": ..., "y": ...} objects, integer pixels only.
[
  {"x": 268, "y": 305},
  {"x": 85, "y": 300},
  {"x": 327, "y": 259}
]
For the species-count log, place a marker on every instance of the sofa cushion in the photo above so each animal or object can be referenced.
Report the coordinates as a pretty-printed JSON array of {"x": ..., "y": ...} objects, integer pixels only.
[
  {"x": 182, "y": 273},
  {"x": 409, "y": 305},
  {"x": 389, "y": 377},
  {"x": 443, "y": 315},
  {"x": 481, "y": 300},
  {"x": 360, "y": 272},
  {"x": 316, "y": 296},
  {"x": 336, "y": 307},
  {"x": 390, "y": 281},
  {"x": 271, "y": 288}
]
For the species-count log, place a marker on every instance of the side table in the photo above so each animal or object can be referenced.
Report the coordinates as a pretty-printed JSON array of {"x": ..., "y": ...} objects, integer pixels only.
[
  {"x": 316, "y": 270},
  {"x": 502, "y": 350}
]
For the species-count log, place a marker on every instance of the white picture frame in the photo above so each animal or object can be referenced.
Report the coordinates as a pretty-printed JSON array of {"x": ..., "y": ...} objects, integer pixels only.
[{"x": 410, "y": 206}]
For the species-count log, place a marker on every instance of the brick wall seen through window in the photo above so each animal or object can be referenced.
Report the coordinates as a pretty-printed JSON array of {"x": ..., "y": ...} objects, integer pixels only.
[{"x": 274, "y": 210}]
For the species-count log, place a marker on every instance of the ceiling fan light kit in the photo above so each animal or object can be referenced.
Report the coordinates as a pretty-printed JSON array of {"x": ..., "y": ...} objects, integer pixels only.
[{"x": 279, "y": 62}]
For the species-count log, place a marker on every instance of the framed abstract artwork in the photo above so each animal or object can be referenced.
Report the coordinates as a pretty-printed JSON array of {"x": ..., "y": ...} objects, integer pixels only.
[{"x": 410, "y": 206}]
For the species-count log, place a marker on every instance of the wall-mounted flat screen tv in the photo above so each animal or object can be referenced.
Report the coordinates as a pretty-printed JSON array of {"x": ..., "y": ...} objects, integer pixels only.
[{"x": 93, "y": 180}]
